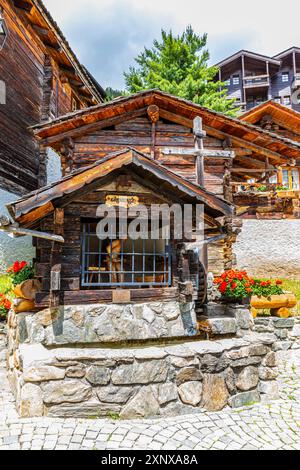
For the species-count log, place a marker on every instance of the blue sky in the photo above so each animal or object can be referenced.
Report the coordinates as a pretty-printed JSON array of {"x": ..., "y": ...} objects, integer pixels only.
[{"x": 107, "y": 34}]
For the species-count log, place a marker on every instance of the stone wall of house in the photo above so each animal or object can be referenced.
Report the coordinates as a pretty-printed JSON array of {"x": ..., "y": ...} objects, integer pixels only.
[
  {"x": 138, "y": 379},
  {"x": 269, "y": 248}
]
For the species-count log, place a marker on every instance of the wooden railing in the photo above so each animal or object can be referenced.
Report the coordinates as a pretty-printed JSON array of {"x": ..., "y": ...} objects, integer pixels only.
[
  {"x": 268, "y": 189},
  {"x": 257, "y": 81}
]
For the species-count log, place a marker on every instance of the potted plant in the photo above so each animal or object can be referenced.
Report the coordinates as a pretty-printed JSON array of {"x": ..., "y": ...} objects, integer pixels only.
[
  {"x": 5, "y": 306},
  {"x": 25, "y": 286},
  {"x": 270, "y": 295},
  {"x": 235, "y": 287}
]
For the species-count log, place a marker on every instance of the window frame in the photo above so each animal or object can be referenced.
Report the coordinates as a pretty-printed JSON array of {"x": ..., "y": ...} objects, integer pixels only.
[
  {"x": 285, "y": 102},
  {"x": 285, "y": 77},
  {"x": 88, "y": 274},
  {"x": 5, "y": 30},
  {"x": 236, "y": 79}
]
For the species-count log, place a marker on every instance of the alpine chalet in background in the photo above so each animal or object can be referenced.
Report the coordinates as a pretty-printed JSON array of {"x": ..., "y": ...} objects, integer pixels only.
[{"x": 253, "y": 78}]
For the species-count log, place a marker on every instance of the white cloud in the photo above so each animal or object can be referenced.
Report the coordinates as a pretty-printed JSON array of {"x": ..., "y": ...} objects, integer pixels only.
[{"x": 120, "y": 28}]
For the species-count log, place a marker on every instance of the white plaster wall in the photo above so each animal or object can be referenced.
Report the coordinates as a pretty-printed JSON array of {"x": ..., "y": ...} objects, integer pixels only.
[
  {"x": 269, "y": 248},
  {"x": 12, "y": 249}
]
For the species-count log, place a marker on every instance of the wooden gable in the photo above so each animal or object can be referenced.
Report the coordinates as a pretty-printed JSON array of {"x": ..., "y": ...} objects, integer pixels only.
[
  {"x": 276, "y": 117},
  {"x": 124, "y": 121}
]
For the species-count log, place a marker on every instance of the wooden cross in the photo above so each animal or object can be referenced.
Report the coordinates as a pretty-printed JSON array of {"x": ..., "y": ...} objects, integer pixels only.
[
  {"x": 199, "y": 135},
  {"x": 199, "y": 151}
]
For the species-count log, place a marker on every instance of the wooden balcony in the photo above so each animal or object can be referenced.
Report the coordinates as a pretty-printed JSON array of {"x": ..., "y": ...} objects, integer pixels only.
[
  {"x": 257, "y": 81},
  {"x": 296, "y": 82}
]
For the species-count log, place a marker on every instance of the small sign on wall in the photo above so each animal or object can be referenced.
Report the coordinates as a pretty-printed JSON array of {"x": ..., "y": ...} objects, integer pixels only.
[
  {"x": 115, "y": 200},
  {"x": 121, "y": 296}
]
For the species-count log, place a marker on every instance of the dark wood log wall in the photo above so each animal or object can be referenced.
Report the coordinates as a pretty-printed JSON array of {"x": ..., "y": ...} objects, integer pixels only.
[
  {"x": 137, "y": 133},
  {"x": 34, "y": 92}
]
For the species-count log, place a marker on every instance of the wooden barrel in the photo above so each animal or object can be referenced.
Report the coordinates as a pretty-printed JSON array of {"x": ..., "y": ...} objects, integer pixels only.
[{"x": 274, "y": 301}]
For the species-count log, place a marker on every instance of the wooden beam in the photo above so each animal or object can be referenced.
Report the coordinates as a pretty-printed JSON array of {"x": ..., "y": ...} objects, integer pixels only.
[
  {"x": 250, "y": 170},
  {"x": 253, "y": 162},
  {"x": 55, "y": 47},
  {"x": 16, "y": 231},
  {"x": 203, "y": 153},
  {"x": 23, "y": 5},
  {"x": 55, "y": 259},
  {"x": 223, "y": 135},
  {"x": 40, "y": 30},
  {"x": 268, "y": 153}
]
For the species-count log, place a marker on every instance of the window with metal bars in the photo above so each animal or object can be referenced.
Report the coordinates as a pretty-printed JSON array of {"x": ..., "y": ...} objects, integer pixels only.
[{"x": 123, "y": 263}]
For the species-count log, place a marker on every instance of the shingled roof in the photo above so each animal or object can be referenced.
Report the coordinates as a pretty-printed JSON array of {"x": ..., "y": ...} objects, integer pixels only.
[{"x": 174, "y": 109}]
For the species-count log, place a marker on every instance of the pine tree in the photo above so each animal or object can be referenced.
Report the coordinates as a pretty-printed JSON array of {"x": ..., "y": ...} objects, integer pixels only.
[{"x": 179, "y": 65}]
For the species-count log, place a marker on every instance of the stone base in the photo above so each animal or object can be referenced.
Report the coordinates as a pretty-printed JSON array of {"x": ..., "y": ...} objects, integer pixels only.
[
  {"x": 111, "y": 323},
  {"x": 140, "y": 382},
  {"x": 284, "y": 332}
]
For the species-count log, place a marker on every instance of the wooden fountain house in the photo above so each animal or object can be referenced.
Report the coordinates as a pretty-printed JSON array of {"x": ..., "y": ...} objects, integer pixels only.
[{"x": 149, "y": 148}]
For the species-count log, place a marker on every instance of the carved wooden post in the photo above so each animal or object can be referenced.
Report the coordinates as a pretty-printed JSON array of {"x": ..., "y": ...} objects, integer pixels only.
[
  {"x": 199, "y": 135},
  {"x": 55, "y": 259},
  {"x": 153, "y": 114},
  {"x": 67, "y": 152}
]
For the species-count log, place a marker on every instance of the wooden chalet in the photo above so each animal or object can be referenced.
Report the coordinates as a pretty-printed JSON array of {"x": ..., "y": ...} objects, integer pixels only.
[
  {"x": 41, "y": 78},
  {"x": 276, "y": 193},
  {"x": 148, "y": 147}
]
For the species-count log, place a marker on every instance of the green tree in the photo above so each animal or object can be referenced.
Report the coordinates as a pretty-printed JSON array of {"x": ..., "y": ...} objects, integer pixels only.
[
  {"x": 179, "y": 65},
  {"x": 111, "y": 93}
]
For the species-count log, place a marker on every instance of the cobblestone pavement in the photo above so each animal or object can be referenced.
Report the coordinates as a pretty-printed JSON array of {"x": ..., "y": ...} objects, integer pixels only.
[{"x": 274, "y": 425}]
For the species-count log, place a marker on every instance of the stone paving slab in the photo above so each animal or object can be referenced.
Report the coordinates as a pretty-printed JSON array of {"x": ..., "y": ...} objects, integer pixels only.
[{"x": 272, "y": 426}]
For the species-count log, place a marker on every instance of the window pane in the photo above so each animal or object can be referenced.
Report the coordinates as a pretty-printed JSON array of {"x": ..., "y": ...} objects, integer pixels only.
[
  {"x": 273, "y": 179},
  {"x": 2, "y": 29},
  {"x": 295, "y": 180},
  {"x": 285, "y": 178}
]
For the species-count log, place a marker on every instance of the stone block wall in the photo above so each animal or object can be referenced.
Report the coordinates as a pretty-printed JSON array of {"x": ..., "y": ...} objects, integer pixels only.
[
  {"x": 69, "y": 380},
  {"x": 3, "y": 344},
  {"x": 284, "y": 332},
  {"x": 111, "y": 323}
]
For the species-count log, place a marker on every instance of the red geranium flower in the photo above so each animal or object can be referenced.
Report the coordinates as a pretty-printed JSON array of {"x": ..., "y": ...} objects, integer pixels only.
[
  {"x": 7, "y": 304},
  {"x": 223, "y": 287},
  {"x": 279, "y": 282}
]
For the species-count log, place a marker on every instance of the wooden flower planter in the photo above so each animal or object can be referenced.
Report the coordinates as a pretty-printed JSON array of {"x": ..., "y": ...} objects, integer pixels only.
[{"x": 279, "y": 305}]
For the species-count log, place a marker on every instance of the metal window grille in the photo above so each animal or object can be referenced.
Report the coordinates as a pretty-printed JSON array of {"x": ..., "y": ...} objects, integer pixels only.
[{"x": 136, "y": 263}]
